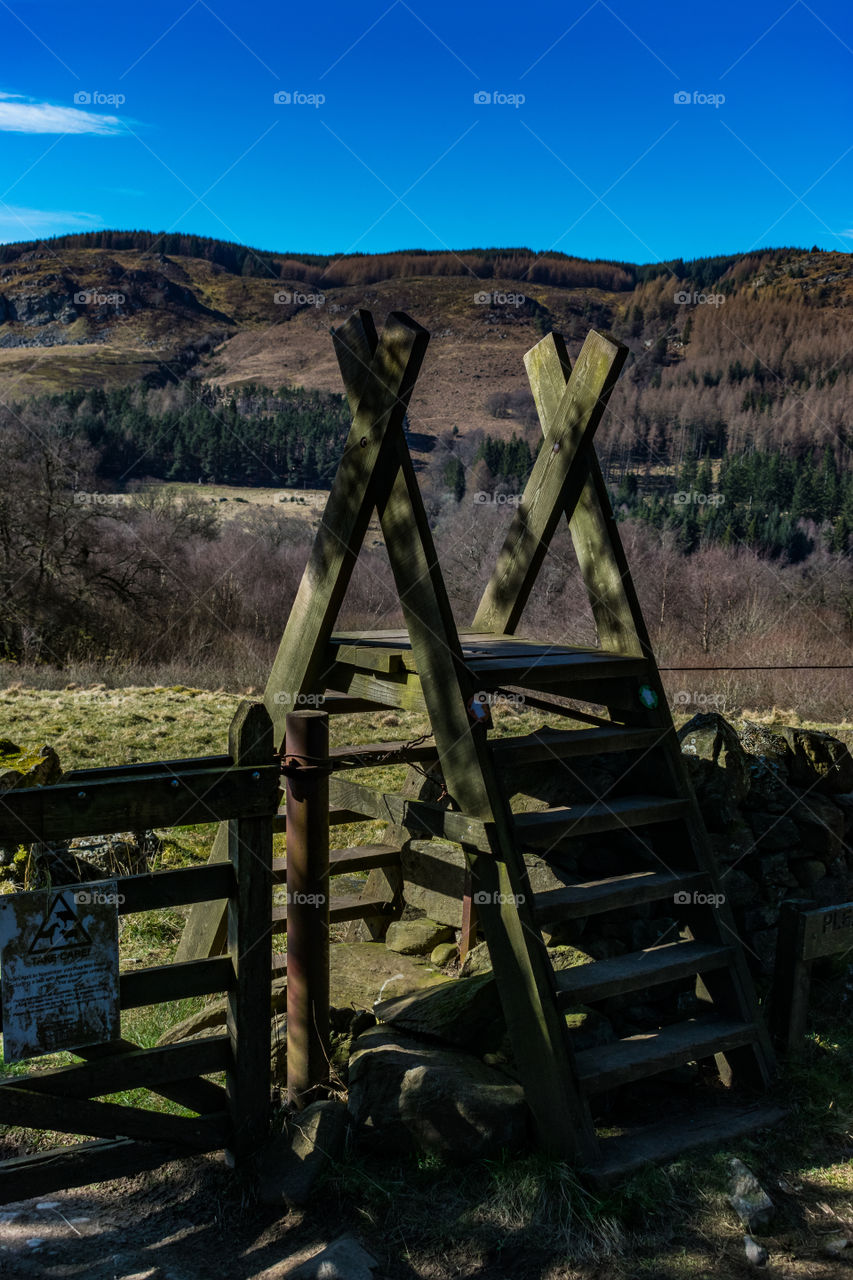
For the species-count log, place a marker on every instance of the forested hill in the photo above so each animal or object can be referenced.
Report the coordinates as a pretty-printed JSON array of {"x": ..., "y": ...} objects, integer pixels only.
[{"x": 729, "y": 354}]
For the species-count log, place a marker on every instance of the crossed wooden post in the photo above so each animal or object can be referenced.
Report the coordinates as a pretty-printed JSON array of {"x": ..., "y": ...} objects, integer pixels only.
[{"x": 376, "y": 472}]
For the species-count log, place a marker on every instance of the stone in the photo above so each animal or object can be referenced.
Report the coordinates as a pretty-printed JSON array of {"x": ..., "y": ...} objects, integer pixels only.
[
  {"x": 19, "y": 768},
  {"x": 416, "y": 937},
  {"x": 406, "y": 1095},
  {"x": 772, "y": 833},
  {"x": 755, "y": 1252},
  {"x": 718, "y": 767},
  {"x": 819, "y": 760},
  {"x": 748, "y": 1198},
  {"x": 360, "y": 973},
  {"x": 465, "y": 1013},
  {"x": 443, "y": 867},
  {"x": 739, "y": 888},
  {"x": 768, "y": 745},
  {"x": 478, "y": 960},
  {"x": 821, "y": 825},
  {"x": 444, "y": 954},
  {"x": 832, "y": 1246},
  {"x": 808, "y": 872},
  {"x": 290, "y": 1165},
  {"x": 344, "y": 1259}
]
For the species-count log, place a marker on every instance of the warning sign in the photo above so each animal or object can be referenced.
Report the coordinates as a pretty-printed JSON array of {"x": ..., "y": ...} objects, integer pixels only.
[{"x": 59, "y": 969}]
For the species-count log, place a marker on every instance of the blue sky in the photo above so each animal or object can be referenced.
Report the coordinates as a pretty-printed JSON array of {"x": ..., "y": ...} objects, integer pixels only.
[{"x": 164, "y": 116}]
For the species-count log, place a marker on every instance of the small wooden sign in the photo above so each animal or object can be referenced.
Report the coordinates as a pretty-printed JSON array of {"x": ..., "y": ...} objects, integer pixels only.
[
  {"x": 59, "y": 969},
  {"x": 827, "y": 931}
]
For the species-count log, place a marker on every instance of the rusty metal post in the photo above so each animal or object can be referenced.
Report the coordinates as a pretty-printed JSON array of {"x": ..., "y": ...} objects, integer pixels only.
[{"x": 307, "y": 770}]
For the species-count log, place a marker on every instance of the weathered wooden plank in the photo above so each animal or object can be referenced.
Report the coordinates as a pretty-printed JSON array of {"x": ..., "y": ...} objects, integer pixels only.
[
  {"x": 522, "y": 670},
  {"x": 828, "y": 930},
  {"x": 416, "y": 816},
  {"x": 80, "y": 1166},
  {"x": 166, "y": 982},
  {"x": 109, "y": 1120},
  {"x": 143, "y": 1068},
  {"x": 555, "y": 483},
  {"x": 619, "y": 814},
  {"x": 639, "y": 970},
  {"x": 250, "y": 741},
  {"x": 180, "y": 887},
  {"x": 342, "y": 908},
  {"x": 561, "y": 744},
  {"x": 621, "y": 629},
  {"x": 66, "y": 809},
  {"x": 395, "y": 689},
  {"x": 147, "y": 767},
  {"x": 390, "y": 368},
  {"x": 609, "y": 1065},
  {"x": 202, "y": 1096},
  {"x": 594, "y": 897},
  {"x": 346, "y": 861},
  {"x": 624, "y": 1154},
  {"x": 789, "y": 997}
]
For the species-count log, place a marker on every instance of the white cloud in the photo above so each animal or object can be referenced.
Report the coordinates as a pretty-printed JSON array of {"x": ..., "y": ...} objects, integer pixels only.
[
  {"x": 17, "y": 115},
  {"x": 18, "y": 223}
]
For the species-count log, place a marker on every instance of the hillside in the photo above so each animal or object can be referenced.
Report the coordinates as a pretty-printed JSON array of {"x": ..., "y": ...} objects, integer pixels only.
[{"x": 759, "y": 353}]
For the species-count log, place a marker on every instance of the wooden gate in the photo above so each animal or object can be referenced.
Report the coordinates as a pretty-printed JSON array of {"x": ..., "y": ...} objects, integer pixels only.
[{"x": 242, "y": 789}]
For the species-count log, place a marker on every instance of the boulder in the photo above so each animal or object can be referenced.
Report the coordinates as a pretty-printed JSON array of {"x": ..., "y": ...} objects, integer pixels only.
[
  {"x": 808, "y": 872},
  {"x": 819, "y": 760},
  {"x": 404, "y": 1095},
  {"x": 444, "y": 954},
  {"x": 290, "y": 1165},
  {"x": 769, "y": 746},
  {"x": 478, "y": 960},
  {"x": 18, "y": 768},
  {"x": 774, "y": 834},
  {"x": 465, "y": 1013},
  {"x": 588, "y": 1028},
  {"x": 434, "y": 879},
  {"x": 718, "y": 767},
  {"x": 360, "y": 973},
  {"x": 416, "y": 937},
  {"x": 821, "y": 824}
]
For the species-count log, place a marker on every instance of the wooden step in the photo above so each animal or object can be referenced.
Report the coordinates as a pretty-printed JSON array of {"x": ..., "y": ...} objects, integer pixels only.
[
  {"x": 596, "y": 896},
  {"x": 557, "y": 667},
  {"x": 639, "y": 970},
  {"x": 346, "y": 907},
  {"x": 625, "y": 1153},
  {"x": 559, "y": 744},
  {"x": 344, "y": 861},
  {"x": 602, "y": 815},
  {"x": 651, "y": 1052}
]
